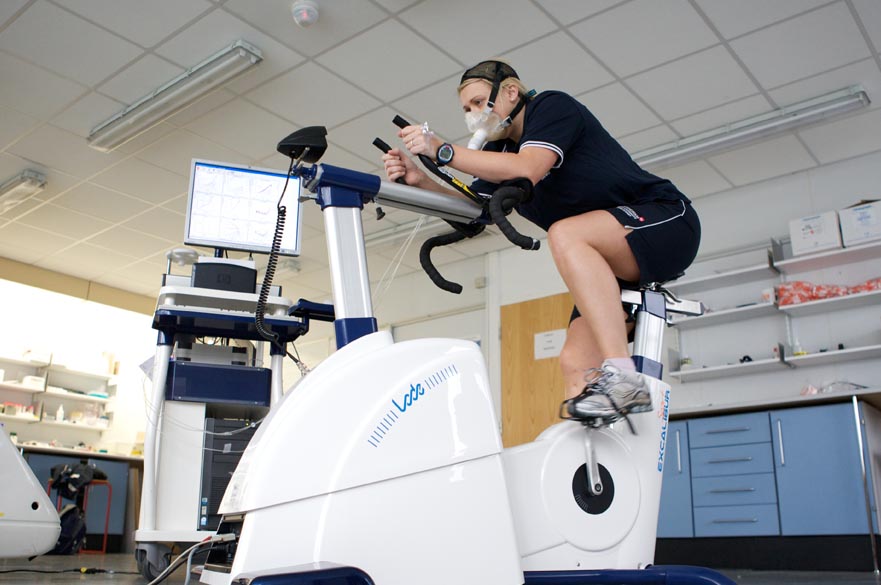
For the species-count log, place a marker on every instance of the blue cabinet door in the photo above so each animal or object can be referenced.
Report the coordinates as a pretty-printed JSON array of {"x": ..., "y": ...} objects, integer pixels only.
[
  {"x": 819, "y": 477},
  {"x": 674, "y": 518},
  {"x": 117, "y": 475}
]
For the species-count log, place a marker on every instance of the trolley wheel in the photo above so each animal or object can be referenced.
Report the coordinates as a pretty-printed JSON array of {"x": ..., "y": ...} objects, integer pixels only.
[{"x": 152, "y": 558}]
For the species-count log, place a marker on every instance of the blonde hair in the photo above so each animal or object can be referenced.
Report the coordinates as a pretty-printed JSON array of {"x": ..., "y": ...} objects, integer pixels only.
[{"x": 507, "y": 82}]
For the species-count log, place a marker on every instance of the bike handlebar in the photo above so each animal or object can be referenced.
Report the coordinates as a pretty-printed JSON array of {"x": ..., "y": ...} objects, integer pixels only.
[{"x": 503, "y": 200}]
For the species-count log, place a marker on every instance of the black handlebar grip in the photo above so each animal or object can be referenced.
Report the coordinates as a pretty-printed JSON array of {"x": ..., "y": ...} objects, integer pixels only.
[
  {"x": 506, "y": 198},
  {"x": 430, "y": 269},
  {"x": 400, "y": 122},
  {"x": 384, "y": 147}
]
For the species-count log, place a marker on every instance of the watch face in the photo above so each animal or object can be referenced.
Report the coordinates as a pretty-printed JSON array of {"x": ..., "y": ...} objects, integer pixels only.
[{"x": 445, "y": 154}]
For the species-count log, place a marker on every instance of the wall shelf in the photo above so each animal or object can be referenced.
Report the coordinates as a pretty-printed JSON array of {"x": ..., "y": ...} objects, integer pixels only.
[
  {"x": 60, "y": 369},
  {"x": 21, "y": 362},
  {"x": 723, "y": 279},
  {"x": 77, "y": 397},
  {"x": 20, "y": 419},
  {"x": 836, "y": 356},
  {"x": 713, "y": 372},
  {"x": 70, "y": 425},
  {"x": 20, "y": 388},
  {"x": 834, "y": 304},
  {"x": 726, "y": 316},
  {"x": 829, "y": 259}
]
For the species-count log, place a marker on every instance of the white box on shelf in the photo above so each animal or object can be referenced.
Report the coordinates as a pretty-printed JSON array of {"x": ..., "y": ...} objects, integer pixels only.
[
  {"x": 860, "y": 223},
  {"x": 815, "y": 233}
]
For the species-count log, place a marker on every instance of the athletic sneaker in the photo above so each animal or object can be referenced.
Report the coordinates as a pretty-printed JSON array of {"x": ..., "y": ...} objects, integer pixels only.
[{"x": 612, "y": 394}]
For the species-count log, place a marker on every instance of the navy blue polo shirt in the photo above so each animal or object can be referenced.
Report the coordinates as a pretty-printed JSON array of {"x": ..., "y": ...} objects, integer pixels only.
[{"x": 592, "y": 171}]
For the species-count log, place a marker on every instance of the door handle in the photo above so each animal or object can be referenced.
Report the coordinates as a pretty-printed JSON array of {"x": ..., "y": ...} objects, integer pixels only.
[
  {"x": 780, "y": 443},
  {"x": 731, "y": 460},
  {"x": 678, "y": 454}
]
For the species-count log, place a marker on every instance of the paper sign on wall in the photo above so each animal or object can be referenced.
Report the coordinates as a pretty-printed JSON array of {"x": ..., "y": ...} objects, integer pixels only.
[{"x": 548, "y": 344}]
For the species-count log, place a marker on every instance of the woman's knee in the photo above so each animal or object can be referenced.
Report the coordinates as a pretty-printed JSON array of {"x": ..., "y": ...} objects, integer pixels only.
[{"x": 561, "y": 236}]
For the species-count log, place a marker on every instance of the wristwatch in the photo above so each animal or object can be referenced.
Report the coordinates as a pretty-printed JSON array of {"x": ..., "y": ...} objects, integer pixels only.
[{"x": 445, "y": 154}]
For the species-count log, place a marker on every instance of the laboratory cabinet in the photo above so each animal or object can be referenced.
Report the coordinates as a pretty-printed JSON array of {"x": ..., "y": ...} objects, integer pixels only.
[
  {"x": 675, "y": 517},
  {"x": 780, "y": 488}
]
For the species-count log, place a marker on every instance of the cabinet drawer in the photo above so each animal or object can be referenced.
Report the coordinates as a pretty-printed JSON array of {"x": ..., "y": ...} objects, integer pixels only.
[
  {"x": 756, "y": 520},
  {"x": 734, "y": 490},
  {"x": 733, "y": 460},
  {"x": 734, "y": 429}
]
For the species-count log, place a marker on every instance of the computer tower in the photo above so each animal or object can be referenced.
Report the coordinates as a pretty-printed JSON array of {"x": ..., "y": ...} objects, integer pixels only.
[{"x": 225, "y": 441}]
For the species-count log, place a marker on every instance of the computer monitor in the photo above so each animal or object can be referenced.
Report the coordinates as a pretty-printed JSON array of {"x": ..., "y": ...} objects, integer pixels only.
[{"x": 234, "y": 207}]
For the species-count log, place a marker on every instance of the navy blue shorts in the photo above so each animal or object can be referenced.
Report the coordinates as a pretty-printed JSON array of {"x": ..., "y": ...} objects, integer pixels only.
[{"x": 664, "y": 238}]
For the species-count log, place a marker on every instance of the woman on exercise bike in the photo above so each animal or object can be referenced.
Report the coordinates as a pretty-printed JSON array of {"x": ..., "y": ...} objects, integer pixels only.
[{"x": 608, "y": 220}]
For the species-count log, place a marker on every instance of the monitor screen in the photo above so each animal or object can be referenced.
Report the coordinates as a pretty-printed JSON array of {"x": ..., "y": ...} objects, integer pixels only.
[{"x": 234, "y": 207}]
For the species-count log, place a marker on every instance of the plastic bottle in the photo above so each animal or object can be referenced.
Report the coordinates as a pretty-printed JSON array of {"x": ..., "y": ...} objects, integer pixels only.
[{"x": 59, "y": 414}]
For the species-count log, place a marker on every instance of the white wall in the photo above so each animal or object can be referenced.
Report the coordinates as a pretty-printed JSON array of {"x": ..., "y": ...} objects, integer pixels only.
[{"x": 76, "y": 332}]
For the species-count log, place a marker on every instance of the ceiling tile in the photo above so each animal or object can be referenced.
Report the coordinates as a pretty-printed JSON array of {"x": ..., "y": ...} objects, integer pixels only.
[
  {"x": 40, "y": 241},
  {"x": 100, "y": 203},
  {"x": 218, "y": 31},
  {"x": 336, "y": 155},
  {"x": 437, "y": 104},
  {"x": 145, "y": 138},
  {"x": 396, "y": 5},
  {"x": 656, "y": 32},
  {"x": 765, "y": 160},
  {"x": 477, "y": 26},
  {"x": 201, "y": 107},
  {"x": 63, "y": 222},
  {"x": 85, "y": 261},
  {"x": 695, "y": 83},
  {"x": 338, "y": 21},
  {"x": 160, "y": 222},
  {"x": 736, "y": 18},
  {"x": 18, "y": 210},
  {"x": 870, "y": 15},
  {"x": 143, "y": 180},
  {"x": 716, "y": 117},
  {"x": 852, "y": 136},
  {"x": 656, "y": 136},
  {"x": 62, "y": 150},
  {"x": 568, "y": 11},
  {"x": 139, "y": 79},
  {"x": 362, "y": 61},
  {"x": 68, "y": 45},
  {"x": 618, "y": 110},
  {"x": 130, "y": 242},
  {"x": 22, "y": 253},
  {"x": 306, "y": 97},
  {"x": 242, "y": 126},
  {"x": 176, "y": 151},
  {"x": 177, "y": 205},
  {"x": 696, "y": 179},
  {"x": 9, "y": 8},
  {"x": 357, "y": 136},
  {"x": 574, "y": 70},
  {"x": 34, "y": 91},
  {"x": 804, "y": 46},
  {"x": 86, "y": 113},
  {"x": 14, "y": 125},
  {"x": 144, "y": 23},
  {"x": 865, "y": 73}
]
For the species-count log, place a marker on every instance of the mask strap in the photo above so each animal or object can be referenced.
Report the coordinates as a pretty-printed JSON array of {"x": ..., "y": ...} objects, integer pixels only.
[
  {"x": 497, "y": 81},
  {"x": 507, "y": 121}
]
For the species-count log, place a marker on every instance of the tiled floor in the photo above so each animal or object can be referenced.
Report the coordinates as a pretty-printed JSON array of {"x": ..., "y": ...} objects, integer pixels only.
[{"x": 125, "y": 563}]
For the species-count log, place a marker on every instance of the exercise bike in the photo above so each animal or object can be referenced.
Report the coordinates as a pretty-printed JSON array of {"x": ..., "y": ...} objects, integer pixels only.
[{"x": 384, "y": 465}]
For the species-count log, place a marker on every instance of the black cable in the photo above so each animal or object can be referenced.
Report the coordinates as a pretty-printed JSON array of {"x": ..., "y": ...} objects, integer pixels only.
[{"x": 260, "y": 311}]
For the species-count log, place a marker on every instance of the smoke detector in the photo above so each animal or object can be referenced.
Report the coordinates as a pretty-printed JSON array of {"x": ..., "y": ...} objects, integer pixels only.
[{"x": 305, "y": 13}]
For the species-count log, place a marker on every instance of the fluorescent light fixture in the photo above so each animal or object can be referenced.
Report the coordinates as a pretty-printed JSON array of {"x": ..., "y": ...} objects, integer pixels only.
[
  {"x": 174, "y": 95},
  {"x": 755, "y": 128},
  {"x": 21, "y": 187}
]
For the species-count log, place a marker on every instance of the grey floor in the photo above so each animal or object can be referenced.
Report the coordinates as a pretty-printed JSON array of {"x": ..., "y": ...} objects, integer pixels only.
[{"x": 124, "y": 563}]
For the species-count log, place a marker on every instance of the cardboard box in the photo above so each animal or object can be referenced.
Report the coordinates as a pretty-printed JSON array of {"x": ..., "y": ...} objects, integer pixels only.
[
  {"x": 860, "y": 223},
  {"x": 815, "y": 233}
]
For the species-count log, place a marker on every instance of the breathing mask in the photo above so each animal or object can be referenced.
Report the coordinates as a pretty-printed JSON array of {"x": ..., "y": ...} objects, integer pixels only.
[{"x": 487, "y": 125}]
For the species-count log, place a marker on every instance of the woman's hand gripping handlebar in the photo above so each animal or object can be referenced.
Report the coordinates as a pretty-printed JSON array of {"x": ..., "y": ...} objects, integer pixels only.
[
  {"x": 503, "y": 200},
  {"x": 462, "y": 232}
]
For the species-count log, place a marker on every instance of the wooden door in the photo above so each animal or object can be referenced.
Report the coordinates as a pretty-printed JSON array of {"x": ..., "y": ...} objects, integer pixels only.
[{"x": 532, "y": 389}]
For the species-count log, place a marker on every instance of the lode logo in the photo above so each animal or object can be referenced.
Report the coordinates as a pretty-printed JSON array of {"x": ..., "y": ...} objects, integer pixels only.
[
  {"x": 410, "y": 397},
  {"x": 666, "y": 416}
]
